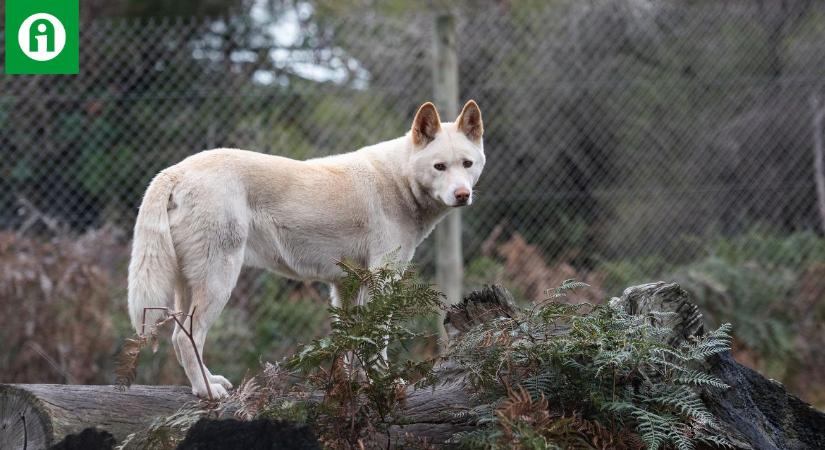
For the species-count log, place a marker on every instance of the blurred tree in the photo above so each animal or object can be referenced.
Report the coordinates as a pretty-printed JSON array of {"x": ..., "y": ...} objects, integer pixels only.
[{"x": 162, "y": 8}]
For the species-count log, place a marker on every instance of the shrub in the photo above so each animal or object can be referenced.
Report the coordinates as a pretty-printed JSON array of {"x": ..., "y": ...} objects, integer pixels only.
[
  {"x": 771, "y": 249},
  {"x": 560, "y": 375},
  {"x": 362, "y": 390}
]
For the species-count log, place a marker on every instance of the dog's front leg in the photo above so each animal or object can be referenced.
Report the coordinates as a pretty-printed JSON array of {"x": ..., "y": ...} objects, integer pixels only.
[
  {"x": 337, "y": 302},
  {"x": 382, "y": 362},
  {"x": 361, "y": 299},
  {"x": 386, "y": 342}
]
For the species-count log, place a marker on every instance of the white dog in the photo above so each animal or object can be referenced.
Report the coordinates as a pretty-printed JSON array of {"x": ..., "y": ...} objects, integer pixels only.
[{"x": 204, "y": 218}]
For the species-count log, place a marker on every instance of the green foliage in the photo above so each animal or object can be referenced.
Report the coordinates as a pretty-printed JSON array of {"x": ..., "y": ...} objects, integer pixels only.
[
  {"x": 362, "y": 388},
  {"x": 771, "y": 249},
  {"x": 749, "y": 294},
  {"x": 750, "y": 279},
  {"x": 597, "y": 363},
  {"x": 286, "y": 410},
  {"x": 758, "y": 247},
  {"x": 480, "y": 270},
  {"x": 565, "y": 231},
  {"x": 565, "y": 287}
]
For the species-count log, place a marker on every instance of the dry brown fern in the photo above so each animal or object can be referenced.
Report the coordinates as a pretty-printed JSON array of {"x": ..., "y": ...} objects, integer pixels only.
[
  {"x": 520, "y": 409},
  {"x": 247, "y": 399},
  {"x": 601, "y": 438},
  {"x": 127, "y": 360}
]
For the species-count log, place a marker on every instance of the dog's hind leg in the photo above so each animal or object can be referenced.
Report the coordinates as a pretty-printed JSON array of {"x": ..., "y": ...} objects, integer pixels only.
[
  {"x": 212, "y": 263},
  {"x": 183, "y": 301},
  {"x": 208, "y": 300},
  {"x": 183, "y": 298}
]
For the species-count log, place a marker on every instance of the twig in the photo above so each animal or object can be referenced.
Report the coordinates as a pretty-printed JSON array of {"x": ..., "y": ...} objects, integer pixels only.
[
  {"x": 195, "y": 348},
  {"x": 189, "y": 335},
  {"x": 166, "y": 310}
]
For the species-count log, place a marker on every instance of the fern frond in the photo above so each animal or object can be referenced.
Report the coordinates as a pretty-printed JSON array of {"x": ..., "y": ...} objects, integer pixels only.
[
  {"x": 127, "y": 361},
  {"x": 653, "y": 428},
  {"x": 715, "y": 440},
  {"x": 565, "y": 287},
  {"x": 701, "y": 379},
  {"x": 684, "y": 400}
]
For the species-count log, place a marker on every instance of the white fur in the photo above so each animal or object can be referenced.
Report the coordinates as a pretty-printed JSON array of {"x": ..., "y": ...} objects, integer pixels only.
[{"x": 204, "y": 218}]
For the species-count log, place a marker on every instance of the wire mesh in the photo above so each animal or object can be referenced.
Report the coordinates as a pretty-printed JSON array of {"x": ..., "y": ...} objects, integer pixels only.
[{"x": 625, "y": 140}]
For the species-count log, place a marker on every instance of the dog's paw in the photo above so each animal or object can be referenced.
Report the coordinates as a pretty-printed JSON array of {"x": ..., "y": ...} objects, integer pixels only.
[
  {"x": 220, "y": 380},
  {"x": 218, "y": 391}
]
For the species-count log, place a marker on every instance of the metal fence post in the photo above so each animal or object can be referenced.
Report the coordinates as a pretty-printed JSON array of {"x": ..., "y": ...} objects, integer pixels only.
[{"x": 449, "y": 261}]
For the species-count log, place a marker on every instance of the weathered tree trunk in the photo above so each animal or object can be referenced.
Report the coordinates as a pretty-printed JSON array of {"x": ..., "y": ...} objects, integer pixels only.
[
  {"x": 36, "y": 416},
  {"x": 756, "y": 413}
]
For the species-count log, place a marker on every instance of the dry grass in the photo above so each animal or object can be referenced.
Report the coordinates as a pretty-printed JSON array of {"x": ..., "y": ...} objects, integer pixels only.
[
  {"x": 63, "y": 315},
  {"x": 58, "y": 306}
]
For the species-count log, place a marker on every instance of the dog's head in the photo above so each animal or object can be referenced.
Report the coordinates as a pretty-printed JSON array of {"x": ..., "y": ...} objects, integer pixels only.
[{"x": 448, "y": 158}]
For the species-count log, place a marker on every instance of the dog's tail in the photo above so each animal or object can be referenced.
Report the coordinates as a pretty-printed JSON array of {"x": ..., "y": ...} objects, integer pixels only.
[{"x": 153, "y": 267}]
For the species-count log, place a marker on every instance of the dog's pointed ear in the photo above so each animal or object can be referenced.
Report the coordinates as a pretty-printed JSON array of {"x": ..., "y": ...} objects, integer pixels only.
[
  {"x": 469, "y": 121},
  {"x": 425, "y": 125}
]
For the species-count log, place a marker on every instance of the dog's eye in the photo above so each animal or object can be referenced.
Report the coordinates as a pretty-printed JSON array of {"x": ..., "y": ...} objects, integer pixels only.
[
  {"x": 440, "y": 166},
  {"x": 468, "y": 164}
]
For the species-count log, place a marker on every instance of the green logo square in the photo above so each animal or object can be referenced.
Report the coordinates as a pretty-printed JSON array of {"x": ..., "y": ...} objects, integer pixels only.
[{"x": 42, "y": 37}]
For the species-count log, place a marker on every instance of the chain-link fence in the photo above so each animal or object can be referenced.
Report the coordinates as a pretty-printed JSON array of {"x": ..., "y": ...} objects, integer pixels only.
[{"x": 626, "y": 141}]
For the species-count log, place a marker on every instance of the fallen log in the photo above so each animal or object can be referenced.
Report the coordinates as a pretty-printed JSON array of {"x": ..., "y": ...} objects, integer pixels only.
[
  {"x": 37, "y": 416},
  {"x": 756, "y": 413}
]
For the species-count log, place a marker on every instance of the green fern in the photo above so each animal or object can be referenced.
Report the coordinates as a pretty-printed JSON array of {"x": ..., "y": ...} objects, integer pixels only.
[
  {"x": 700, "y": 379},
  {"x": 565, "y": 287},
  {"x": 599, "y": 362},
  {"x": 362, "y": 389}
]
